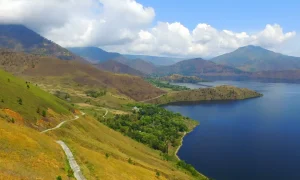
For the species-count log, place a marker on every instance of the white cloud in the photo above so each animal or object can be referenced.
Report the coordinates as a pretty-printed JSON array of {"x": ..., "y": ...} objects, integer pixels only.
[
  {"x": 206, "y": 41},
  {"x": 125, "y": 26}
]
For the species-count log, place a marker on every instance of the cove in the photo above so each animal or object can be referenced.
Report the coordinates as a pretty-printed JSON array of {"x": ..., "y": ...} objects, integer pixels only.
[{"x": 254, "y": 139}]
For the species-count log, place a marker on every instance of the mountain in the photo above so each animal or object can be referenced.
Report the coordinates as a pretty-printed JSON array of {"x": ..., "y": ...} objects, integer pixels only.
[
  {"x": 138, "y": 64},
  {"x": 42, "y": 68},
  {"x": 290, "y": 76},
  {"x": 21, "y": 39},
  {"x": 255, "y": 58},
  {"x": 156, "y": 60},
  {"x": 94, "y": 54},
  {"x": 97, "y": 55},
  {"x": 117, "y": 67},
  {"x": 198, "y": 67}
]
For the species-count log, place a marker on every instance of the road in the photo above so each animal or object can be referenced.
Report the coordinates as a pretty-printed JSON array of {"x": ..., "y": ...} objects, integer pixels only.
[
  {"x": 73, "y": 164},
  {"x": 153, "y": 98}
]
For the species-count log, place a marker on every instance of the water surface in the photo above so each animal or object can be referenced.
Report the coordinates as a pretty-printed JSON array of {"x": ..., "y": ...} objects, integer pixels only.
[{"x": 255, "y": 139}]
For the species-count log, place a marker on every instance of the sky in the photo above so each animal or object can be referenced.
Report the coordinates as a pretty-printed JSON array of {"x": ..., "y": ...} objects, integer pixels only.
[{"x": 189, "y": 28}]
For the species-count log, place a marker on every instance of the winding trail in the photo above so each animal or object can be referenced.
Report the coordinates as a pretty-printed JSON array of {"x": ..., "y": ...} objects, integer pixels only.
[
  {"x": 73, "y": 164},
  {"x": 105, "y": 112},
  {"x": 60, "y": 124}
]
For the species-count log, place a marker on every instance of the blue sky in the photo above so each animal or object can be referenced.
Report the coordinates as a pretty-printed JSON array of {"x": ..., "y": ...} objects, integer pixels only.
[{"x": 235, "y": 15}]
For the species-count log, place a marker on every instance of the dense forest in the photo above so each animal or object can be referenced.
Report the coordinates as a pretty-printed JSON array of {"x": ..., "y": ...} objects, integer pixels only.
[{"x": 151, "y": 125}]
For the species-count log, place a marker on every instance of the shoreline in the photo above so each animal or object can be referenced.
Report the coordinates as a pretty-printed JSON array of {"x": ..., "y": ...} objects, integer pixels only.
[{"x": 181, "y": 143}]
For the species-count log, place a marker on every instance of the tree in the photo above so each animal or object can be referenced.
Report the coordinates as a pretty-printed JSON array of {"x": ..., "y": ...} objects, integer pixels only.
[
  {"x": 58, "y": 178},
  {"x": 2, "y": 100},
  {"x": 107, "y": 155},
  {"x": 44, "y": 113},
  {"x": 38, "y": 110},
  {"x": 20, "y": 101},
  {"x": 28, "y": 86},
  {"x": 130, "y": 161}
]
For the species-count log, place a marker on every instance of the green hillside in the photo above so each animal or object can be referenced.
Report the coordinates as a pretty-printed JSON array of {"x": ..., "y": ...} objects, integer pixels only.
[
  {"x": 206, "y": 94},
  {"x": 28, "y": 100}
]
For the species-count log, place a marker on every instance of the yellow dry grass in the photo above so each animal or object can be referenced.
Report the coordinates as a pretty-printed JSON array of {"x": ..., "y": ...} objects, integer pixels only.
[{"x": 27, "y": 154}]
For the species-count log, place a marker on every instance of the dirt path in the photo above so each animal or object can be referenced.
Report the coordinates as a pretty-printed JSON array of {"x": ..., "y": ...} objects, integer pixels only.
[
  {"x": 153, "y": 98},
  {"x": 73, "y": 164},
  {"x": 62, "y": 123}
]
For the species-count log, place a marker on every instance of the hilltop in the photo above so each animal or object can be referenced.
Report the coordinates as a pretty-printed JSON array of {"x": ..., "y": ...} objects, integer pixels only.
[
  {"x": 255, "y": 58},
  {"x": 21, "y": 39}
]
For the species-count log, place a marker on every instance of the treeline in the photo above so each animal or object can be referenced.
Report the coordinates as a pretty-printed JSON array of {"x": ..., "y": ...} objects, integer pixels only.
[
  {"x": 161, "y": 84},
  {"x": 151, "y": 125}
]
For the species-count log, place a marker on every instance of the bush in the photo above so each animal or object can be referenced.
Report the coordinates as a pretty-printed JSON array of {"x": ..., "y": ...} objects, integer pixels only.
[
  {"x": 44, "y": 113},
  {"x": 187, "y": 167}
]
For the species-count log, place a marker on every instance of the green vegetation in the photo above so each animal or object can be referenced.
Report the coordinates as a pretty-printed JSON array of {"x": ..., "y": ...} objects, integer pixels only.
[
  {"x": 95, "y": 94},
  {"x": 151, "y": 125},
  {"x": 177, "y": 78},
  {"x": 207, "y": 94},
  {"x": 28, "y": 102},
  {"x": 90, "y": 141},
  {"x": 188, "y": 167},
  {"x": 167, "y": 85}
]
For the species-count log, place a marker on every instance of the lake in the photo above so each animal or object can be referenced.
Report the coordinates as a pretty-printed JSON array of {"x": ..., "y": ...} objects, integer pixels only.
[{"x": 254, "y": 139}]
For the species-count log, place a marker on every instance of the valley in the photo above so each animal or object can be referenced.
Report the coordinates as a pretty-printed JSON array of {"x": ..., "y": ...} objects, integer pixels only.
[{"x": 103, "y": 108}]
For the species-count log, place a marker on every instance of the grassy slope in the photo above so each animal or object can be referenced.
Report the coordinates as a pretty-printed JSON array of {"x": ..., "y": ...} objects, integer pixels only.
[
  {"x": 90, "y": 140},
  {"x": 13, "y": 88},
  {"x": 206, "y": 94},
  {"x": 78, "y": 73},
  {"x": 26, "y": 154}
]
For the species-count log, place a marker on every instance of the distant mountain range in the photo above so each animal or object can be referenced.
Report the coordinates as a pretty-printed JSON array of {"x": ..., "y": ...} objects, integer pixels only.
[
  {"x": 198, "y": 67},
  {"x": 21, "y": 39},
  {"x": 255, "y": 58},
  {"x": 249, "y": 62},
  {"x": 94, "y": 54},
  {"x": 158, "y": 61},
  {"x": 97, "y": 55},
  {"x": 117, "y": 67}
]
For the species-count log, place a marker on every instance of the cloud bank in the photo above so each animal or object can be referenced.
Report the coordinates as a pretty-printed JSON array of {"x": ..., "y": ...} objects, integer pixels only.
[{"x": 126, "y": 26}]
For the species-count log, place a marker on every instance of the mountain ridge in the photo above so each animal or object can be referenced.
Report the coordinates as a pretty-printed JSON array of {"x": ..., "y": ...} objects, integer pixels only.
[{"x": 255, "y": 58}]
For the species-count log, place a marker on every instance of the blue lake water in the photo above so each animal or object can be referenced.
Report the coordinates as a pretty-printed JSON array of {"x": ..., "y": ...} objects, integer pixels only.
[{"x": 255, "y": 139}]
